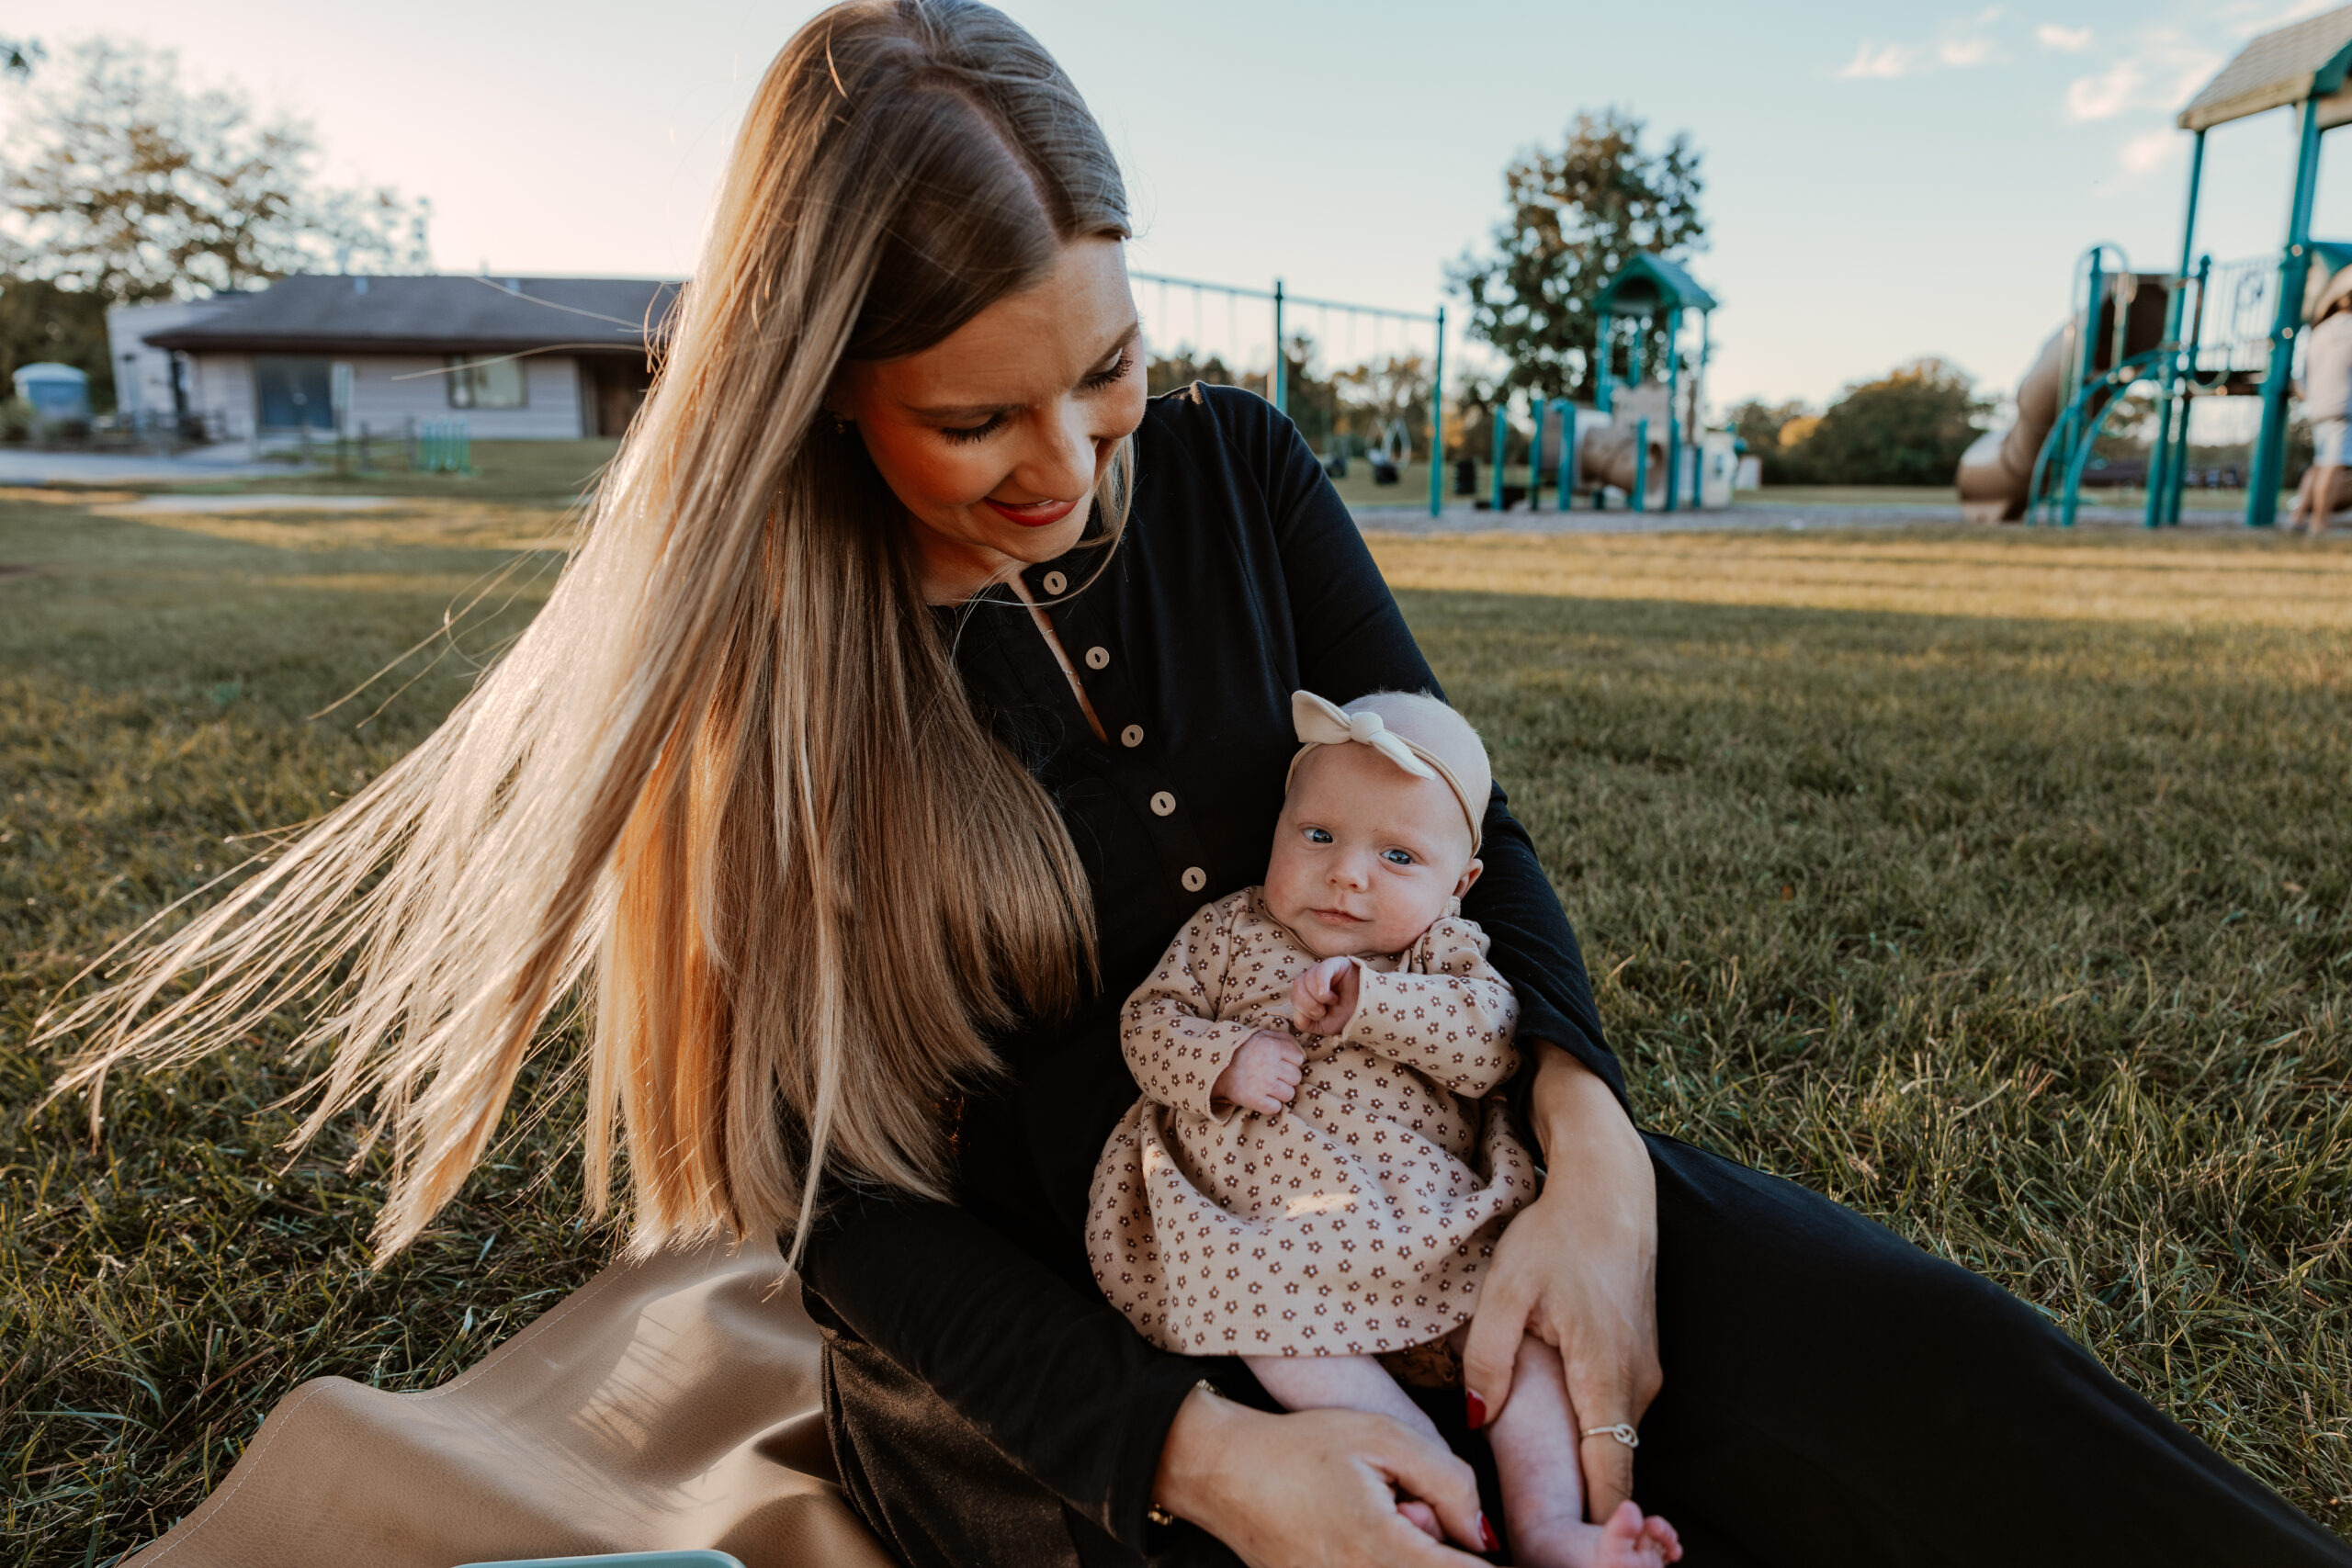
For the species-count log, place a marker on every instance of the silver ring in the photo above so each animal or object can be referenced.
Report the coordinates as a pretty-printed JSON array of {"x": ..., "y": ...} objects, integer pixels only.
[{"x": 1622, "y": 1431}]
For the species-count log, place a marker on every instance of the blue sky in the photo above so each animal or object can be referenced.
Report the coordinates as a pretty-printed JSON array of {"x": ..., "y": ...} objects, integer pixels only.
[{"x": 1883, "y": 180}]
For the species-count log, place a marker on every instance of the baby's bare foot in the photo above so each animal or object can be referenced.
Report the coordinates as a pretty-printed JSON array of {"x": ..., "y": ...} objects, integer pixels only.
[{"x": 1626, "y": 1540}]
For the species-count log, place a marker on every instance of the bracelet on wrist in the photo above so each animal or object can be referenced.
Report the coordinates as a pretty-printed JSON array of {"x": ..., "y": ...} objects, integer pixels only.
[{"x": 1155, "y": 1513}]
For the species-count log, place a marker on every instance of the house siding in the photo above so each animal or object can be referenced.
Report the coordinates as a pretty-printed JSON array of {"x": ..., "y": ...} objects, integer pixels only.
[
  {"x": 221, "y": 391},
  {"x": 387, "y": 392}
]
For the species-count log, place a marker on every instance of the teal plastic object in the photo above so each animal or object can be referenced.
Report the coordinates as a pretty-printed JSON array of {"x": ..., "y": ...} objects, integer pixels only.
[{"x": 696, "y": 1557}]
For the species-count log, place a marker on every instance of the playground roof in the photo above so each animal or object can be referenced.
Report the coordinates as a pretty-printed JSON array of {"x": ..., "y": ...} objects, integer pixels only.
[
  {"x": 1649, "y": 283},
  {"x": 2280, "y": 68}
]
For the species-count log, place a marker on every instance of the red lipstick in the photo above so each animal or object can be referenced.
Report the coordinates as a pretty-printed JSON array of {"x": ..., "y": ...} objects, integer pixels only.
[{"x": 1033, "y": 514}]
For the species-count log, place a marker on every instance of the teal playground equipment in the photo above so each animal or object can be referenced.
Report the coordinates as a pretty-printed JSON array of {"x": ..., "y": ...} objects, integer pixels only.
[
  {"x": 1644, "y": 436},
  {"x": 442, "y": 446},
  {"x": 2201, "y": 331},
  {"x": 1164, "y": 327}
]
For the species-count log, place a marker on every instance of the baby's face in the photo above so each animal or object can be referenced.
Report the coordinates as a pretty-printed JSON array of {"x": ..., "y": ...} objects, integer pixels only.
[{"x": 1366, "y": 854}]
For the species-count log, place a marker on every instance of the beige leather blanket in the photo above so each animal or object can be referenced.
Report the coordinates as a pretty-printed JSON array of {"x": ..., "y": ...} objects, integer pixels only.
[{"x": 668, "y": 1404}]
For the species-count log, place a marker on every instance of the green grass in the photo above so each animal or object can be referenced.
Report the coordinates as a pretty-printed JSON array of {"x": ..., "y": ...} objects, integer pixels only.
[
  {"x": 535, "y": 473},
  {"x": 2023, "y": 933}
]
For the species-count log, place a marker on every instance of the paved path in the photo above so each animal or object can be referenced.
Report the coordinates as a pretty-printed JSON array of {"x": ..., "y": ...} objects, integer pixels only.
[
  {"x": 1748, "y": 515},
  {"x": 18, "y": 466}
]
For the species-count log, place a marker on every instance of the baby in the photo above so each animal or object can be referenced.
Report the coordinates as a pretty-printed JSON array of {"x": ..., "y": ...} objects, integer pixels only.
[{"x": 1315, "y": 1177}]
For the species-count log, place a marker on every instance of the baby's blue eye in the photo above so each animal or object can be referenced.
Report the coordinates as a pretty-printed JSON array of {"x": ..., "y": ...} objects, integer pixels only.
[
  {"x": 1398, "y": 857},
  {"x": 1318, "y": 835}
]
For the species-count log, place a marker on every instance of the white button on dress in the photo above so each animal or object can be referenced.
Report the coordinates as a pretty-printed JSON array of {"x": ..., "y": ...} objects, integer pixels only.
[
  {"x": 1056, "y": 582},
  {"x": 1098, "y": 659},
  {"x": 1163, "y": 804},
  {"x": 1132, "y": 736},
  {"x": 1193, "y": 879}
]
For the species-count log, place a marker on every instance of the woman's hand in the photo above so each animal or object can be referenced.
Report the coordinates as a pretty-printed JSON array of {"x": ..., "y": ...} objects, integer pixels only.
[
  {"x": 1315, "y": 1487},
  {"x": 1578, "y": 1268}
]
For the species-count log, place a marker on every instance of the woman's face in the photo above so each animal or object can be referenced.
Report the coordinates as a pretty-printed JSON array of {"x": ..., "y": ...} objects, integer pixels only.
[{"x": 994, "y": 438}]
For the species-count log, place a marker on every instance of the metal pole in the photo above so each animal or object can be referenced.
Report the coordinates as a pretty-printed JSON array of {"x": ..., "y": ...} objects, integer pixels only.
[
  {"x": 2270, "y": 445},
  {"x": 2169, "y": 404},
  {"x": 1277, "y": 379},
  {"x": 1641, "y": 497},
  {"x": 1436, "y": 420},
  {"x": 1568, "y": 453},
  {"x": 1535, "y": 458},
  {"x": 1673, "y": 407},
  {"x": 2175, "y": 472},
  {"x": 1502, "y": 428},
  {"x": 1698, "y": 404},
  {"x": 1600, "y": 339}
]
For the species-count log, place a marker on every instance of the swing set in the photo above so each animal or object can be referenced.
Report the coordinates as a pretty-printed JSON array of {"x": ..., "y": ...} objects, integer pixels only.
[{"x": 1393, "y": 441}]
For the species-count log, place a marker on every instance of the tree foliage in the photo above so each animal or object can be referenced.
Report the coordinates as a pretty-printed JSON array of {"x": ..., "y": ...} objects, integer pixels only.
[
  {"x": 122, "y": 182},
  {"x": 42, "y": 322},
  {"x": 1908, "y": 427},
  {"x": 1574, "y": 217}
]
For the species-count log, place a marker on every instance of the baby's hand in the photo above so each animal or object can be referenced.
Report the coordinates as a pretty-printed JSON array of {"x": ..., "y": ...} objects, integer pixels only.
[
  {"x": 1323, "y": 998},
  {"x": 1262, "y": 1076}
]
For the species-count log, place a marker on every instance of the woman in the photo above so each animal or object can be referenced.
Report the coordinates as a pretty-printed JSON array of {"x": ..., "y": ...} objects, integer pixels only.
[{"x": 914, "y": 681}]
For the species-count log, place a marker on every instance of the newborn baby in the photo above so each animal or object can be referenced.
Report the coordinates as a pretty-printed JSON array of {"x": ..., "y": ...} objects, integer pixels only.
[{"x": 1315, "y": 1176}]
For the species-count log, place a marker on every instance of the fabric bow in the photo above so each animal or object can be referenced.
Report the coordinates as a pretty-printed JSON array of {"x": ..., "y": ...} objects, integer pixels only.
[{"x": 1321, "y": 722}]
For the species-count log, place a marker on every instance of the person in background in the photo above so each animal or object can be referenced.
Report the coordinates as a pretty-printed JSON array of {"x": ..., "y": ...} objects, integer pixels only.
[{"x": 2327, "y": 402}]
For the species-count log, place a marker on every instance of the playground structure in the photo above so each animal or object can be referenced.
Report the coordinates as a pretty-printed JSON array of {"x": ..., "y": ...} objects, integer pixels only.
[
  {"x": 1642, "y": 436},
  {"x": 1393, "y": 444},
  {"x": 2201, "y": 331}
]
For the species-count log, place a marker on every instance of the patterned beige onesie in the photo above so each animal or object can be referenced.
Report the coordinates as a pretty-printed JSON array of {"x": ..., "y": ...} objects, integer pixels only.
[{"x": 1360, "y": 1219}]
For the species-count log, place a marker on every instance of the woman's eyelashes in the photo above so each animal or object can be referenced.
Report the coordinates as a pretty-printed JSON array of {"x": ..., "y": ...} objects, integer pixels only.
[
  {"x": 1115, "y": 372},
  {"x": 1111, "y": 374},
  {"x": 980, "y": 431}
]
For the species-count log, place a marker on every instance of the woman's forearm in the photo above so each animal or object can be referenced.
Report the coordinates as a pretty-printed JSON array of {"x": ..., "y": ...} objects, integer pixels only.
[
  {"x": 1577, "y": 1117},
  {"x": 1051, "y": 1374}
]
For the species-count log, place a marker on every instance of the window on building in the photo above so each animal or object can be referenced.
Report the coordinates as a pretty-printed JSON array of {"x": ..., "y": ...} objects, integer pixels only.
[
  {"x": 483, "y": 383},
  {"x": 294, "y": 392}
]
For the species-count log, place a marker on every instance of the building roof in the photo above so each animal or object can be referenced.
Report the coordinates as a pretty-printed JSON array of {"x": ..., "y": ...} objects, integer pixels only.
[
  {"x": 2281, "y": 67},
  {"x": 1650, "y": 282},
  {"x": 436, "y": 314}
]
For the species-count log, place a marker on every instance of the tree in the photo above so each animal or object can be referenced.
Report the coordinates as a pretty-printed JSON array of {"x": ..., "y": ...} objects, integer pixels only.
[
  {"x": 20, "y": 55},
  {"x": 1375, "y": 395},
  {"x": 1574, "y": 217},
  {"x": 1773, "y": 432},
  {"x": 40, "y": 321},
  {"x": 1907, "y": 428},
  {"x": 123, "y": 182}
]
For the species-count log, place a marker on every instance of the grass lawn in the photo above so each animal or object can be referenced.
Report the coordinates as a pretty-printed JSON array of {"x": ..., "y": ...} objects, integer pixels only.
[{"x": 1994, "y": 883}]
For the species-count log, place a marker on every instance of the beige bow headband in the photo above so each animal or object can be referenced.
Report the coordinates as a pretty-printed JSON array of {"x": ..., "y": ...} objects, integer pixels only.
[{"x": 1320, "y": 722}]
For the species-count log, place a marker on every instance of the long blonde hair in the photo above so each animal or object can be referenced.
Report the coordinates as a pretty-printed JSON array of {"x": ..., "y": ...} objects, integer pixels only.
[{"x": 728, "y": 784}]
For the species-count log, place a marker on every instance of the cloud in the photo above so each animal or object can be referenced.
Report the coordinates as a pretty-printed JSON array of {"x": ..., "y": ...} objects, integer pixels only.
[
  {"x": 2105, "y": 96},
  {"x": 1885, "y": 61},
  {"x": 2160, "y": 71},
  {"x": 1960, "y": 53},
  {"x": 2065, "y": 40},
  {"x": 2149, "y": 150}
]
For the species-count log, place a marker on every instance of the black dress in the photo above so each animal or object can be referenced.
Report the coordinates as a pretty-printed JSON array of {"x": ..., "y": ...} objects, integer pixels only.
[{"x": 1833, "y": 1394}]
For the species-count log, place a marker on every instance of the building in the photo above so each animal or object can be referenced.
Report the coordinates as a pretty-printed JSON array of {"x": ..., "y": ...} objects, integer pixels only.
[{"x": 516, "y": 358}]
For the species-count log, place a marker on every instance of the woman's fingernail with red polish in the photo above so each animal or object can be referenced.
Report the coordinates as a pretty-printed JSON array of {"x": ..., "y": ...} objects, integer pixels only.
[
  {"x": 1487, "y": 1531},
  {"x": 1477, "y": 1410}
]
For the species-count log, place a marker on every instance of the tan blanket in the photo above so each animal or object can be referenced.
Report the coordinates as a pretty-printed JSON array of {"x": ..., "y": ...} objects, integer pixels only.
[{"x": 665, "y": 1405}]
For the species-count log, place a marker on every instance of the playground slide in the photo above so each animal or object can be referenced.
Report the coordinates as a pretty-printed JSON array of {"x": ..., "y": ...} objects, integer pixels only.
[
  {"x": 1605, "y": 453},
  {"x": 1996, "y": 471}
]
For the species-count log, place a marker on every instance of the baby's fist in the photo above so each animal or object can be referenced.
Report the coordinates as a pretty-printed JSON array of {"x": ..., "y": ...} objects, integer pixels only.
[
  {"x": 1262, "y": 1076},
  {"x": 1323, "y": 998}
]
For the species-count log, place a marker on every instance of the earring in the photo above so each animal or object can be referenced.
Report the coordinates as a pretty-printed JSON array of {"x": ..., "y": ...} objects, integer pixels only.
[{"x": 840, "y": 423}]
